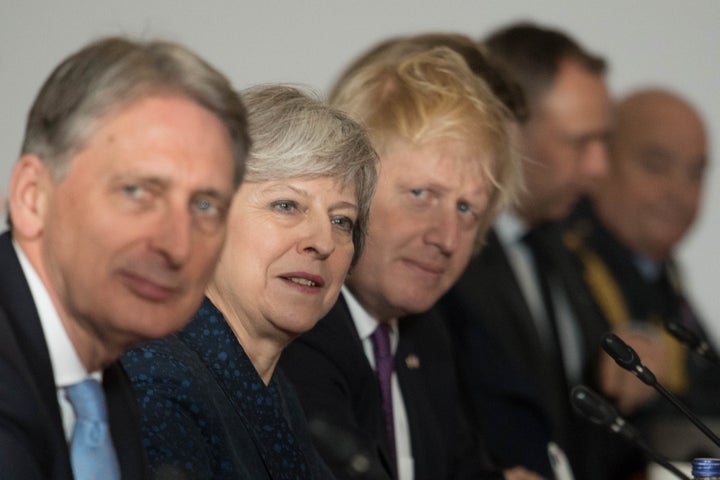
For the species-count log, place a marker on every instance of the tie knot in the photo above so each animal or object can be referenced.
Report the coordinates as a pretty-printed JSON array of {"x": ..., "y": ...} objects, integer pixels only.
[
  {"x": 541, "y": 241},
  {"x": 88, "y": 400},
  {"x": 534, "y": 238}
]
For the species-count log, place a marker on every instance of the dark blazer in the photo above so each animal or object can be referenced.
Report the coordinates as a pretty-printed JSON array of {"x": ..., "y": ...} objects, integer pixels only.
[
  {"x": 207, "y": 413},
  {"x": 642, "y": 300},
  {"x": 32, "y": 441},
  {"x": 337, "y": 386},
  {"x": 488, "y": 301}
]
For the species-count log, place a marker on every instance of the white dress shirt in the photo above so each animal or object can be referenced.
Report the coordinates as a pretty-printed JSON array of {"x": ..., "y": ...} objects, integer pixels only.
[
  {"x": 66, "y": 364},
  {"x": 366, "y": 325}
]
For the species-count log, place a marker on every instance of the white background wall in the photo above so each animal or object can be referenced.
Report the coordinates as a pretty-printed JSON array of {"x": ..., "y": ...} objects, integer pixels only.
[{"x": 662, "y": 42}]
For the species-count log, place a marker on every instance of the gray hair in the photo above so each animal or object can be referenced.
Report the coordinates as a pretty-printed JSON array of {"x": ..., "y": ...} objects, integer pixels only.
[
  {"x": 296, "y": 135},
  {"x": 112, "y": 73}
]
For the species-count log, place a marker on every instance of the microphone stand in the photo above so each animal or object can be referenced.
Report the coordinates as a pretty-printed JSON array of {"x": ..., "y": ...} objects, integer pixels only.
[
  {"x": 627, "y": 358},
  {"x": 595, "y": 409}
]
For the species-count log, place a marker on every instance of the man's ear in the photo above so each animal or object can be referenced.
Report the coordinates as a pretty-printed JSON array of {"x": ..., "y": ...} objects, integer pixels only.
[{"x": 30, "y": 187}]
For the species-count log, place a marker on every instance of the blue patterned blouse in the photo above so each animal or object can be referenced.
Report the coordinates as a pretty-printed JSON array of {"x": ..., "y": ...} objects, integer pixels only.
[{"x": 207, "y": 414}]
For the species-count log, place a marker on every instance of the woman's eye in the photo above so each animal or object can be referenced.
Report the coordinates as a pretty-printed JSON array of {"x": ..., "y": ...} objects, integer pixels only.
[
  {"x": 418, "y": 192},
  {"x": 284, "y": 205},
  {"x": 344, "y": 223}
]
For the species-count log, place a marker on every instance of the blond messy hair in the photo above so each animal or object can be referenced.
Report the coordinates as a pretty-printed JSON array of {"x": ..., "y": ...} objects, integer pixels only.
[{"x": 433, "y": 95}]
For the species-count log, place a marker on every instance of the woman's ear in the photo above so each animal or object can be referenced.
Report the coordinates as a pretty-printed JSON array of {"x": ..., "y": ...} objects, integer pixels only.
[{"x": 30, "y": 187}]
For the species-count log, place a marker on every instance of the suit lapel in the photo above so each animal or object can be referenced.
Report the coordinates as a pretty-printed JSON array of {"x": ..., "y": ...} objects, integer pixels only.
[
  {"x": 31, "y": 355},
  {"x": 418, "y": 410},
  {"x": 15, "y": 294},
  {"x": 340, "y": 316},
  {"x": 501, "y": 282}
]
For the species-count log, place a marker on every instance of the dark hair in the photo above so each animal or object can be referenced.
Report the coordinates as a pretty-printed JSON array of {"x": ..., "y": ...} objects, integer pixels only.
[{"x": 532, "y": 55}]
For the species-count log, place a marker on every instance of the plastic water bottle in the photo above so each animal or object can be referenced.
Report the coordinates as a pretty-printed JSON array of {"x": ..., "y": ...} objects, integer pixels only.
[{"x": 706, "y": 468}]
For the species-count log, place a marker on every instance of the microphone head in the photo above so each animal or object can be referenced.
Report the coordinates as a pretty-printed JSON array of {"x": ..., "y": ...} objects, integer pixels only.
[
  {"x": 597, "y": 410},
  {"x": 682, "y": 334},
  {"x": 627, "y": 358},
  {"x": 691, "y": 340},
  {"x": 592, "y": 406},
  {"x": 623, "y": 354},
  {"x": 341, "y": 450}
]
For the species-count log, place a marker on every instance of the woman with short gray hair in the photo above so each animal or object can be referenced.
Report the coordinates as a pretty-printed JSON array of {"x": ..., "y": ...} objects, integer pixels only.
[{"x": 213, "y": 403}]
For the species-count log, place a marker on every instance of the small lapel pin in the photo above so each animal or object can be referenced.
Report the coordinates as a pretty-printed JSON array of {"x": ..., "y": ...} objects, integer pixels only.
[{"x": 412, "y": 361}]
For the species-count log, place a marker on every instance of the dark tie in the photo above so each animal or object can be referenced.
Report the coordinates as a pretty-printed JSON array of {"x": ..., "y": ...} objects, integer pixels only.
[
  {"x": 543, "y": 266},
  {"x": 538, "y": 240},
  {"x": 384, "y": 368},
  {"x": 92, "y": 453}
]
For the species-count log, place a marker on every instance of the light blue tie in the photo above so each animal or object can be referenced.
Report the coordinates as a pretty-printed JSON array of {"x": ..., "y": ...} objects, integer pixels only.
[{"x": 92, "y": 453}]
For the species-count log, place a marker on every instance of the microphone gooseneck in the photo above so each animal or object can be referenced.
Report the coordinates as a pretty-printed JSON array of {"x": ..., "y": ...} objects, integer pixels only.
[
  {"x": 598, "y": 411},
  {"x": 627, "y": 358}
]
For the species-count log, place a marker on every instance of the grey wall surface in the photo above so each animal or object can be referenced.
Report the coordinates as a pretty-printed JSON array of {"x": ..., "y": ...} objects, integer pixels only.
[{"x": 659, "y": 42}]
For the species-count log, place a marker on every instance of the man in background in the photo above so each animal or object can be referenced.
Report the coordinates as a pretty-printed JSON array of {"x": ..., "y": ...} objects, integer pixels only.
[
  {"x": 132, "y": 153},
  {"x": 625, "y": 236},
  {"x": 521, "y": 290}
]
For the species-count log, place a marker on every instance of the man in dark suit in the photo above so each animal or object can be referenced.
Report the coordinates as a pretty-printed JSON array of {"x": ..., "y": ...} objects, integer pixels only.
[
  {"x": 521, "y": 290},
  {"x": 376, "y": 375},
  {"x": 625, "y": 236},
  {"x": 131, "y": 155}
]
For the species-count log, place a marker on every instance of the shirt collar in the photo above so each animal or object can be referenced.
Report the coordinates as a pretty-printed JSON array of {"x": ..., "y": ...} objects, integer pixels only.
[
  {"x": 365, "y": 324},
  {"x": 66, "y": 364},
  {"x": 649, "y": 269},
  {"x": 510, "y": 227}
]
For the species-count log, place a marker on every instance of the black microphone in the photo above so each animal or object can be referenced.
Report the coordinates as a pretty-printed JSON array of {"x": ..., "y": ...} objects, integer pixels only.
[
  {"x": 598, "y": 411},
  {"x": 693, "y": 341},
  {"x": 627, "y": 358},
  {"x": 340, "y": 449}
]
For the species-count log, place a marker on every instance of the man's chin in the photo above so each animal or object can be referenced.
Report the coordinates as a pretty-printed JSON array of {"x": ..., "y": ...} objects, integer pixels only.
[
  {"x": 151, "y": 321},
  {"x": 563, "y": 210},
  {"x": 415, "y": 306}
]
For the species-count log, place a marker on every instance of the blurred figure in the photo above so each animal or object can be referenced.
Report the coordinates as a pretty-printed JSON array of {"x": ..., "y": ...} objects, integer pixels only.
[
  {"x": 213, "y": 403},
  {"x": 378, "y": 369},
  {"x": 625, "y": 236},
  {"x": 521, "y": 290},
  {"x": 132, "y": 153}
]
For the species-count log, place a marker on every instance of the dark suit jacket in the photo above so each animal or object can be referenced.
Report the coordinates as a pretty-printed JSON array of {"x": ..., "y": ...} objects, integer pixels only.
[
  {"x": 32, "y": 441},
  {"x": 337, "y": 385},
  {"x": 208, "y": 415},
  {"x": 488, "y": 301},
  {"x": 646, "y": 301}
]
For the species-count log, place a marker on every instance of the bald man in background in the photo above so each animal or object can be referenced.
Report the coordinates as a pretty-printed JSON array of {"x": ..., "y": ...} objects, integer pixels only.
[{"x": 625, "y": 236}]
